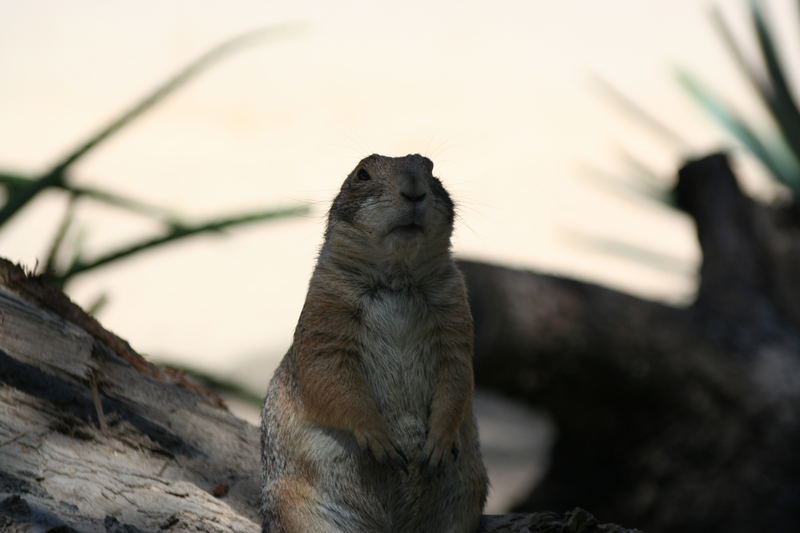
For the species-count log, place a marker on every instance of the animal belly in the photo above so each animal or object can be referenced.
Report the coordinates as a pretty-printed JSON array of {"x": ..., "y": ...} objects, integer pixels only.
[
  {"x": 407, "y": 430},
  {"x": 403, "y": 395}
]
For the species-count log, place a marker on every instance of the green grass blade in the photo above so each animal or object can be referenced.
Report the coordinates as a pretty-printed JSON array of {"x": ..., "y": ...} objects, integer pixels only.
[
  {"x": 58, "y": 239},
  {"x": 13, "y": 180},
  {"x": 19, "y": 195},
  {"x": 635, "y": 188},
  {"x": 738, "y": 128},
  {"x": 779, "y": 99},
  {"x": 751, "y": 74},
  {"x": 100, "y": 195},
  {"x": 97, "y": 304},
  {"x": 756, "y": 79},
  {"x": 217, "y": 384},
  {"x": 191, "y": 70},
  {"x": 639, "y": 254},
  {"x": 135, "y": 206},
  {"x": 22, "y": 195},
  {"x": 640, "y": 114},
  {"x": 761, "y": 86},
  {"x": 177, "y": 232},
  {"x": 639, "y": 167},
  {"x": 649, "y": 179}
]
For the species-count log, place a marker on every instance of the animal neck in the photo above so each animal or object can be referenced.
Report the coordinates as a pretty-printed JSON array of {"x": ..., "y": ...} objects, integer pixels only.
[{"x": 413, "y": 266}]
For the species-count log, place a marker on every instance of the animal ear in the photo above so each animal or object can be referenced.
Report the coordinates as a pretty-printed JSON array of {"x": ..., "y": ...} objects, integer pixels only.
[{"x": 363, "y": 175}]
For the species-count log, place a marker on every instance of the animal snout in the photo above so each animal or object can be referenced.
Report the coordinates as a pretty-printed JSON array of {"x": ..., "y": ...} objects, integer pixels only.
[
  {"x": 413, "y": 196},
  {"x": 412, "y": 188}
]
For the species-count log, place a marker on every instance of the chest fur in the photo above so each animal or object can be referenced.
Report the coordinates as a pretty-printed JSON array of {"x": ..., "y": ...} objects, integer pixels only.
[{"x": 398, "y": 358}]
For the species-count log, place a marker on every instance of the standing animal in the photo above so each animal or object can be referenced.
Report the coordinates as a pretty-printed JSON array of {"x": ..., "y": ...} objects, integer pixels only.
[{"x": 367, "y": 424}]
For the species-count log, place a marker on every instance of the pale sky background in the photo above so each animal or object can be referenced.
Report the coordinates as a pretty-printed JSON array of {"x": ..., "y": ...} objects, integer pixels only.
[{"x": 498, "y": 94}]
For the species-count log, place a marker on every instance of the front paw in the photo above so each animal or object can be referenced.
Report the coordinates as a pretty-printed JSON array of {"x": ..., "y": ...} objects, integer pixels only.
[
  {"x": 381, "y": 447},
  {"x": 437, "y": 450}
]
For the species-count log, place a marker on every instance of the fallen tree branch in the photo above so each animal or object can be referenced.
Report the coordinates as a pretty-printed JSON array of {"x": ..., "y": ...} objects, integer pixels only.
[
  {"x": 691, "y": 411},
  {"x": 94, "y": 441}
]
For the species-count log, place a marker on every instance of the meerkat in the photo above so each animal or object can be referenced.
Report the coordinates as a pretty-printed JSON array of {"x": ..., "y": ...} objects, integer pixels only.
[{"x": 367, "y": 424}]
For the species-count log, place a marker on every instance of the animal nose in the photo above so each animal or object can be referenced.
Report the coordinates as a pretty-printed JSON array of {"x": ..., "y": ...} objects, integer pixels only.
[
  {"x": 412, "y": 188},
  {"x": 413, "y": 196}
]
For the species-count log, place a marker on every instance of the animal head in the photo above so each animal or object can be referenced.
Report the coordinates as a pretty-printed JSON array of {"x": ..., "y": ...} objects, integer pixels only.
[{"x": 394, "y": 205}]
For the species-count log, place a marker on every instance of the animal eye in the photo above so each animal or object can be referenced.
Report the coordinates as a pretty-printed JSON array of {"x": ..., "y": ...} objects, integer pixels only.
[{"x": 363, "y": 175}]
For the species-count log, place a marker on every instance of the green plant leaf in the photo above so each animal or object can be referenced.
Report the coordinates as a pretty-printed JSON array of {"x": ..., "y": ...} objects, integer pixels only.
[
  {"x": 217, "y": 383},
  {"x": 780, "y": 99},
  {"x": 177, "y": 232},
  {"x": 640, "y": 254},
  {"x": 58, "y": 239},
  {"x": 100, "y": 195},
  {"x": 640, "y": 114},
  {"x": 96, "y": 305},
  {"x": 179, "y": 79},
  {"x": 771, "y": 88},
  {"x": 55, "y": 176},
  {"x": 739, "y": 129},
  {"x": 13, "y": 180},
  {"x": 635, "y": 187}
]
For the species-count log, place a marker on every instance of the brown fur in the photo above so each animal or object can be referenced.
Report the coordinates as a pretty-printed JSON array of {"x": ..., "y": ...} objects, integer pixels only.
[{"x": 368, "y": 423}]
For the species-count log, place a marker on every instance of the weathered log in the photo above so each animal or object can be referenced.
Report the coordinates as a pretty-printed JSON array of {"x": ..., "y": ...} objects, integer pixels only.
[
  {"x": 92, "y": 440},
  {"x": 85, "y": 436},
  {"x": 691, "y": 411}
]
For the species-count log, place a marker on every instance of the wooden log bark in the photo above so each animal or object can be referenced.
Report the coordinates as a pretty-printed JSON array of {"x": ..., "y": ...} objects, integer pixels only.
[
  {"x": 693, "y": 412},
  {"x": 94, "y": 439},
  {"x": 85, "y": 436}
]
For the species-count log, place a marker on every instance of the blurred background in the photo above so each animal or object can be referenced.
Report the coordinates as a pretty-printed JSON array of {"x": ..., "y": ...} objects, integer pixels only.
[{"x": 518, "y": 103}]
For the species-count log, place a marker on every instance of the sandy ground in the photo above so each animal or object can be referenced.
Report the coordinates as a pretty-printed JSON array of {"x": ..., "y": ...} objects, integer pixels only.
[{"x": 514, "y": 439}]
